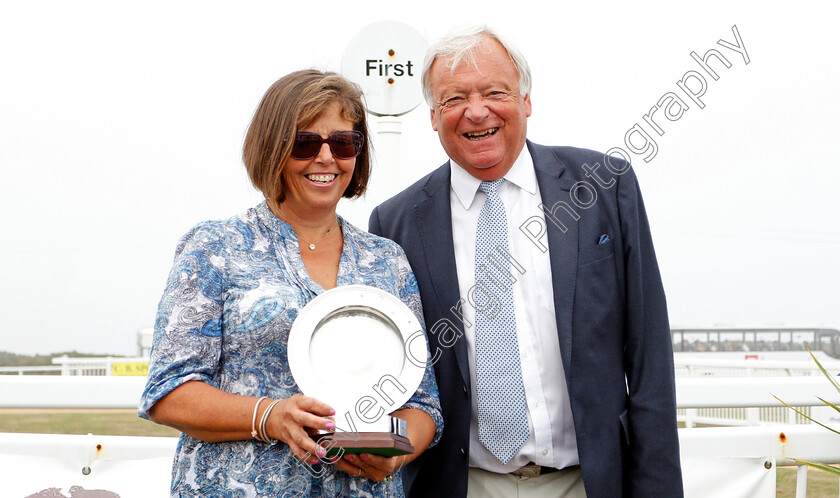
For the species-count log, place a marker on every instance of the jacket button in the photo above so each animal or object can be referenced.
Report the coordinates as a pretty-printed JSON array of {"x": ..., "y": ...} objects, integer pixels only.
[
  {"x": 463, "y": 452},
  {"x": 465, "y": 388}
]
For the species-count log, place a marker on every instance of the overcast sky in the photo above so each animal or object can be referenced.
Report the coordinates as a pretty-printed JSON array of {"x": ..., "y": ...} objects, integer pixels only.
[{"x": 121, "y": 126}]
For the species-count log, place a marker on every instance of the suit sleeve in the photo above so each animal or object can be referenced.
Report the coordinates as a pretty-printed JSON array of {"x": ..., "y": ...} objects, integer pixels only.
[
  {"x": 653, "y": 467},
  {"x": 373, "y": 222}
]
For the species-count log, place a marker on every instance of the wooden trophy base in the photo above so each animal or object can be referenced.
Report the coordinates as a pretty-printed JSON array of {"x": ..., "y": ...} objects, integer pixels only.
[
  {"x": 375, "y": 443},
  {"x": 387, "y": 437}
]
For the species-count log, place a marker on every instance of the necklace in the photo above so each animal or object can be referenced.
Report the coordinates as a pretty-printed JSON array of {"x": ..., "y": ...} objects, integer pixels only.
[{"x": 312, "y": 244}]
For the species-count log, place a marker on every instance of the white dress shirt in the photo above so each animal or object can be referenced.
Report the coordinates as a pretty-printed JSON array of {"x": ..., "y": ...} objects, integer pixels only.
[{"x": 552, "y": 440}]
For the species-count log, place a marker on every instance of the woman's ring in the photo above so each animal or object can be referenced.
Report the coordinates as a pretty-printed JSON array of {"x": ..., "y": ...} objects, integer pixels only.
[{"x": 360, "y": 472}]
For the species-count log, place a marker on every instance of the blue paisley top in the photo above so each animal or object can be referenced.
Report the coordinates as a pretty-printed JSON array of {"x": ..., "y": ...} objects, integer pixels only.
[{"x": 234, "y": 290}]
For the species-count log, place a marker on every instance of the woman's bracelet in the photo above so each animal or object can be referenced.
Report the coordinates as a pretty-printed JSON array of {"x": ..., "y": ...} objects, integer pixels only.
[
  {"x": 254, "y": 433},
  {"x": 396, "y": 472},
  {"x": 263, "y": 435}
]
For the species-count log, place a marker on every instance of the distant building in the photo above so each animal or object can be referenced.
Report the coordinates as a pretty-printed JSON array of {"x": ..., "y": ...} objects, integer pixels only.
[{"x": 144, "y": 341}]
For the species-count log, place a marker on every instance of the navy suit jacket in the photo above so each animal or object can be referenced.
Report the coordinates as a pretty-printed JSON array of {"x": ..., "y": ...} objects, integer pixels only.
[{"x": 611, "y": 320}]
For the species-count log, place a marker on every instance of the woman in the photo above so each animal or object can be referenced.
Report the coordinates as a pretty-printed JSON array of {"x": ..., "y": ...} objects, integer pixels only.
[{"x": 219, "y": 368}]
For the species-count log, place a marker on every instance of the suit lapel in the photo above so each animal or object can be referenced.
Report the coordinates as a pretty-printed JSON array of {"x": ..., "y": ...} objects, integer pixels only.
[
  {"x": 562, "y": 246},
  {"x": 434, "y": 221}
]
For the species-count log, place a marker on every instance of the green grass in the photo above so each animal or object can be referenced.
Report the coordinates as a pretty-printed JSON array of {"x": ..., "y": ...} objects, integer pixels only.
[
  {"x": 820, "y": 484},
  {"x": 100, "y": 422}
]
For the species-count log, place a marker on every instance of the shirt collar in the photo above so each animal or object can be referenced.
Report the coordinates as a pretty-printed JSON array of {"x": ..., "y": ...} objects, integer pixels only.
[{"x": 521, "y": 174}]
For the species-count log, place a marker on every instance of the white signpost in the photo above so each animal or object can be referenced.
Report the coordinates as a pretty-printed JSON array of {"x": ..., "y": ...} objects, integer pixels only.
[{"x": 385, "y": 59}]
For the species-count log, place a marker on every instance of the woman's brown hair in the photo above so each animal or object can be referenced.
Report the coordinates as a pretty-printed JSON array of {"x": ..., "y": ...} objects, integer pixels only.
[{"x": 294, "y": 102}]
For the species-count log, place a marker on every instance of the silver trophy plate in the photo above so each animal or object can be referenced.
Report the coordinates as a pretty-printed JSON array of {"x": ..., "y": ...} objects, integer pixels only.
[{"x": 362, "y": 351}]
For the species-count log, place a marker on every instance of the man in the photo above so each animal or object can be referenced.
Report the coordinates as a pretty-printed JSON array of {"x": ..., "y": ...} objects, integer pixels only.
[{"x": 542, "y": 298}]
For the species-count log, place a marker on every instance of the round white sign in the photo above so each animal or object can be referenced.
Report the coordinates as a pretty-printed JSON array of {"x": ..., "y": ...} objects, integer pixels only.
[{"x": 385, "y": 59}]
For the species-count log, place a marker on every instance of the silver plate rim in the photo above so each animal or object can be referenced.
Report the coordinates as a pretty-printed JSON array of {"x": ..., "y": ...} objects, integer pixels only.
[{"x": 305, "y": 325}]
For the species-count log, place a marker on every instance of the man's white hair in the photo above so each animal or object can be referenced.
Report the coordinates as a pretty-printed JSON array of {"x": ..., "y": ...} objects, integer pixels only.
[{"x": 460, "y": 45}]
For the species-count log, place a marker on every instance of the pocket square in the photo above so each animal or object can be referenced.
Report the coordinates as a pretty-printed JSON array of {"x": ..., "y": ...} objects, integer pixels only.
[{"x": 604, "y": 239}]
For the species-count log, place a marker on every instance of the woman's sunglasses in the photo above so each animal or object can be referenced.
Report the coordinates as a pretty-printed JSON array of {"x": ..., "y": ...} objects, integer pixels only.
[{"x": 343, "y": 144}]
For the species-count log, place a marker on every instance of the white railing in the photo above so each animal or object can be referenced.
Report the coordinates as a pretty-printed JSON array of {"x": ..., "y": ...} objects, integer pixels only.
[
  {"x": 687, "y": 365},
  {"x": 102, "y": 366},
  {"x": 698, "y": 366},
  {"x": 124, "y": 465},
  {"x": 58, "y": 391},
  {"x": 33, "y": 370},
  {"x": 738, "y": 417},
  {"x": 742, "y": 459},
  {"x": 34, "y": 391}
]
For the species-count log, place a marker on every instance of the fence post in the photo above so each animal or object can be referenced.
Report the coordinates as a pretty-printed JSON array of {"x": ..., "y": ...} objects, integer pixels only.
[
  {"x": 752, "y": 416},
  {"x": 690, "y": 414},
  {"x": 801, "y": 481}
]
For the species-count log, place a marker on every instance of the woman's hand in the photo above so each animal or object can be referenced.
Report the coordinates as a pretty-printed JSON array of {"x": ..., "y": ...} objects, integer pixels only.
[
  {"x": 293, "y": 420},
  {"x": 372, "y": 467},
  {"x": 421, "y": 431}
]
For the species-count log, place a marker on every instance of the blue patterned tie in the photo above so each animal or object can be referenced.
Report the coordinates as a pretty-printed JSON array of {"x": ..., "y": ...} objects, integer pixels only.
[{"x": 502, "y": 414}]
